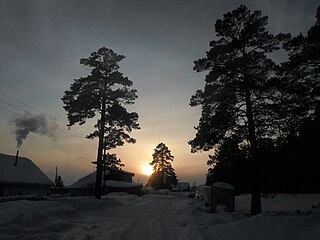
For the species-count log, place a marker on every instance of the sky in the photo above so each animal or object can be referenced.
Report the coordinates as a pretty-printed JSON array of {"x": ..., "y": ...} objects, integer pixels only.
[{"x": 42, "y": 42}]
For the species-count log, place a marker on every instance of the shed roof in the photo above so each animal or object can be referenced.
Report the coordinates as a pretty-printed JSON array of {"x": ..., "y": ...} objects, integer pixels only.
[
  {"x": 89, "y": 180},
  {"x": 26, "y": 172}
]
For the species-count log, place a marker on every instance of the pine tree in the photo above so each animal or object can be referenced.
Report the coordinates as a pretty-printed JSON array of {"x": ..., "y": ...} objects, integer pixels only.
[
  {"x": 112, "y": 161},
  {"x": 300, "y": 77},
  {"x": 103, "y": 92},
  {"x": 240, "y": 98},
  {"x": 58, "y": 182},
  {"x": 163, "y": 176},
  {"x": 301, "y": 85},
  {"x": 229, "y": 163}
]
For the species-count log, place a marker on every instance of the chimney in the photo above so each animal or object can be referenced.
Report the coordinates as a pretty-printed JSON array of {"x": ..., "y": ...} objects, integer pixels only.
[
  {"x": 17, "y": 156},
  {"x": 55, "y": 179}
]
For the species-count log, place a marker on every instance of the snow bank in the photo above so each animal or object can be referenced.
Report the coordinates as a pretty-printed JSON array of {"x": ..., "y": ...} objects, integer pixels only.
[
  {"x": 86, "y": 204},
  {"x": 32, "y": 213},
  {"x": 298, "y": 203},
  {"x": 173, "y": 216},
  {"x": 35, "y": 219},
  {"x": 223, "y": 185},
  {"x": 122, "y": 184},
  {"x": 122, "y": 197},
  {"x": 265, "y": 227}
]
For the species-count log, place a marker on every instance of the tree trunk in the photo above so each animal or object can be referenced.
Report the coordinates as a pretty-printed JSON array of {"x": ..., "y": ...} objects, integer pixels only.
[
  {"x": 97, "y": 192},
  {"x": 104, "y": 163},
  {"x": 255, "y": 170},
  {"x": 162, "y": 173}
]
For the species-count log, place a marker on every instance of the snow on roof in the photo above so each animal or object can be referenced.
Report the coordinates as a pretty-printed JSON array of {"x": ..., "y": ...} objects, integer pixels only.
[
  {"x": 87, "y": 181},
  {"x": 122, "y": 184},
  {"x": 26, "y": 172},
  {"x": 125, "y": 172}
]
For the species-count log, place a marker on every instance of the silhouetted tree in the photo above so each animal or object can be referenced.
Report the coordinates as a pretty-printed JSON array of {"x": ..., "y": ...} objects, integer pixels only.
[
  {"x": 58, "y": 182},
  {"x": 301, "y": 87},
  {"x": 240, "y": 98},
  {"x": 300, "y": 74},
  {"x": 305, "y": 155},
  {"x": 111, "y": 161},
  {"x": 289, "y": 164},
  {"x": 103, "y": 92},
  {"x": 230, "y": 164},
  {"x": 163, "y": 175}
]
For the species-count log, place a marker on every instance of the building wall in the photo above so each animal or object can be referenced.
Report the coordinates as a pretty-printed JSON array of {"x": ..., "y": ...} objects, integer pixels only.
[
  {"x": 13, "y": 189},
  {"x": 119, "y": 176}
]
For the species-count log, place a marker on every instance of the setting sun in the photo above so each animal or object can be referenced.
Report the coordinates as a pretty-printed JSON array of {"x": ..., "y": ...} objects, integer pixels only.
[{"x": 147, "y": 169}]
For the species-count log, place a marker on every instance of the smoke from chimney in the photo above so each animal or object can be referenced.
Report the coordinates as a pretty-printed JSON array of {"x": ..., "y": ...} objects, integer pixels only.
[{"x": 26, "y": 123}]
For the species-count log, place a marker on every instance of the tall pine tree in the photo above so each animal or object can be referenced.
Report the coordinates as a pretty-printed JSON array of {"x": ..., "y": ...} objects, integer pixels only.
[
  {"x": 112, "y": 162},
  {"x": 163, "y": 176},
  {"x": 301, "y": 77},
  {"x": 103, "y": 92},
  {"x": 301, "y": 85},
  {"x": 239, "y": 97}
]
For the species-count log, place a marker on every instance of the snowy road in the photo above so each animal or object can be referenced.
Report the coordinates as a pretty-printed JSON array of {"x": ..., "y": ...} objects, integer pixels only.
[
  {"x": 117, "y": 216},
  {"x": 163, "y": 219},
  {"x": 158, "y": 216}
]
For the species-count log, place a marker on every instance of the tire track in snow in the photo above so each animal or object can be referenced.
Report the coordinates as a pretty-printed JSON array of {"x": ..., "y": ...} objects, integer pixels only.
[{"x": 158, "y": 218}]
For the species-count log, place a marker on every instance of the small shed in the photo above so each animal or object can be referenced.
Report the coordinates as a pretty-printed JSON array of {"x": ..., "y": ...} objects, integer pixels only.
[
  {"x": 182, "y": 186},
  {"x": 115, "y": 181},
  {"x": 23, "y": 178},
  {"x": 222, "y": 197},
  {"x": 118, "y": 175},
  {"x": 84, "y": 186}
]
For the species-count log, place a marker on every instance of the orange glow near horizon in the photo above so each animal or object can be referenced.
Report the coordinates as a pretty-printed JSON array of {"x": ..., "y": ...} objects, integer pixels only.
[{"x": 147, "y": 169}]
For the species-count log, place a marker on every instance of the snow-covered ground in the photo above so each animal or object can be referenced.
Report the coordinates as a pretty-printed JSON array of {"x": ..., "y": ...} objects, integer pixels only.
[{"x": 158, "y": 216}]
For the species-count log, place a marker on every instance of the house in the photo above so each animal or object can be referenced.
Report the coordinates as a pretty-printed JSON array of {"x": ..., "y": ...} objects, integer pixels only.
[
  {"x": 22, "y": 177},
  {"x": 182, "y": 186},
  {"x": 119, "y": 175},
  {"x": 114, "y": 180}
]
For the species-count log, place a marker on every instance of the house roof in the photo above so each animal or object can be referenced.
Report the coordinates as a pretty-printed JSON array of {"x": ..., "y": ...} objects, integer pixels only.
[
  {"x": 89, "y": 180},
  {"x": 26, "y": 172},
  {"x": 123, "y": 172}
]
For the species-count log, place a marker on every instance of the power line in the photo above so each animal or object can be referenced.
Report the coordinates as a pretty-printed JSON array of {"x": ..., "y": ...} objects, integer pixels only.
[
  {"x": 74, "y": 161},
  {"x": 29, "y": 106},
  {"x": 17, "y": 107},
  {"x": 34, "y": 109},
  {"x": 12, "y": 105},
  {"x": 78, "y": 159},
  {"x": 7, "y": 110},
  {"x": 61, "y": 130},
  {"x": 72, "y": 132}
]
